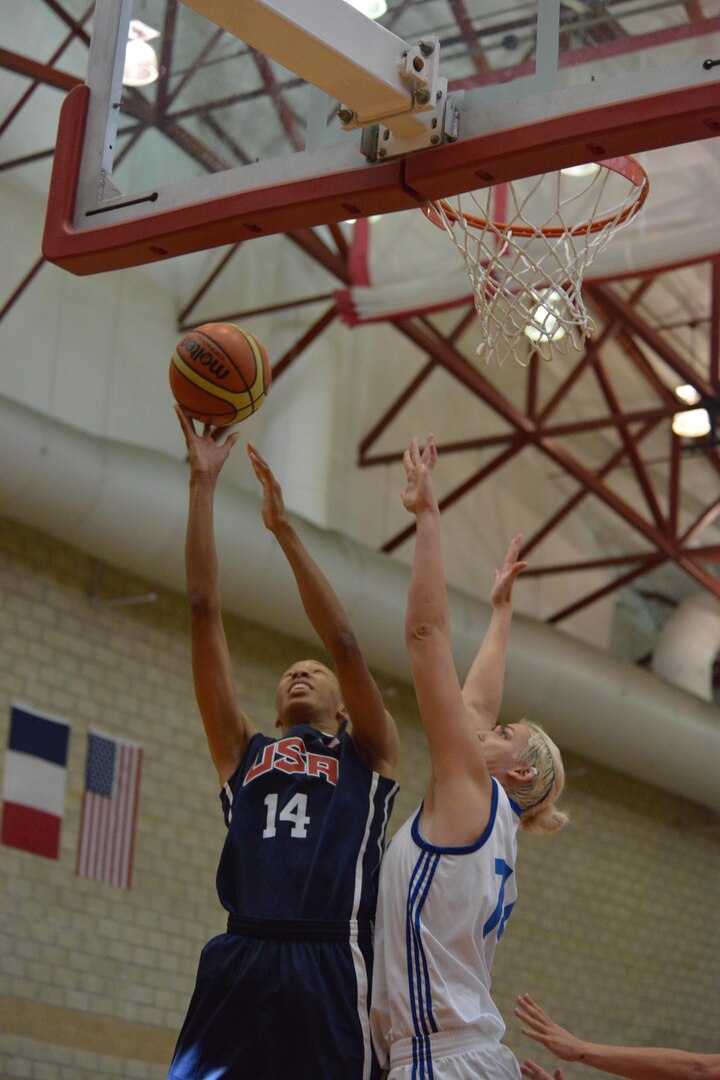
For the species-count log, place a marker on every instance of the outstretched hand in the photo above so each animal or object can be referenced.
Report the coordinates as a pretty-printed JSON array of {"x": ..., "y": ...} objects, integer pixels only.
[
  {"x": 274, "y": 513},
  {"x": 537, "y": 1025},
  {"x": 534, "y": 1072},
  {"x": 418, "y": 494},
  {"x": 505, "y": 577},
  {"x": 206, "y": 453}
]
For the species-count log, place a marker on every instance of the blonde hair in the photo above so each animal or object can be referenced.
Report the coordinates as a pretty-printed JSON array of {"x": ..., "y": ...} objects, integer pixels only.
[{"x": 537, "y": 799}]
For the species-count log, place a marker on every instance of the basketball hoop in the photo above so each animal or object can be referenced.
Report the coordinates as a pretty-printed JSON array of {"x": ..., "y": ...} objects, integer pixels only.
[{"x": 527, "y": 277}]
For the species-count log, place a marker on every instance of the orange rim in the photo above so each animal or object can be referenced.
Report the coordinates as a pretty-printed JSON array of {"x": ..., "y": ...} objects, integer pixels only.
[{"x": 627, "y": 166}]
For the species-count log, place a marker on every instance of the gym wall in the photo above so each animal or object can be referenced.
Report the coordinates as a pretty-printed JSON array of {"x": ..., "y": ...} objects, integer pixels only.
[{"x": 615, "y": 930}]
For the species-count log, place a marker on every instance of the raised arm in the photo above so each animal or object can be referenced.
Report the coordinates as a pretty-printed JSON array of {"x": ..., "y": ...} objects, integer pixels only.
[
  {"x": 373, "y": 729},
  {"x": 483, "y": 688},
  {"x": 227, "y": 727},
  {"x": 632, "y": 1062},
  {"x": 457, "y": 801}
]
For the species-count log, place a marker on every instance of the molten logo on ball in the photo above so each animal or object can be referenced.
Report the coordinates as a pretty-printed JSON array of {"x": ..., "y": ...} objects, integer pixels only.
[
  {"x": 195, "y": 351},
  {"x": 220, "y": 373}
]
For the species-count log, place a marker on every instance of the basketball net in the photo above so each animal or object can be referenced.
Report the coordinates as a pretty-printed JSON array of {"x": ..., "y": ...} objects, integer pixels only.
[{"x": 526, "y": 260}]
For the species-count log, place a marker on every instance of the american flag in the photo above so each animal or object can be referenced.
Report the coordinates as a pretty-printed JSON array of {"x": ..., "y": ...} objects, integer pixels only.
[{"x": 109, "y": 810}]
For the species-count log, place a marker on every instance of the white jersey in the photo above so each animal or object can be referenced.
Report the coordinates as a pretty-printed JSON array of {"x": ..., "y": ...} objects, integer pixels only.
[{"x": 440, "y": 914}]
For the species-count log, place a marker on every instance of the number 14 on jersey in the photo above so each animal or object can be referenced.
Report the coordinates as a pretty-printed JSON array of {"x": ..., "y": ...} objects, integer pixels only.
[{"x": 293, "y": 812}]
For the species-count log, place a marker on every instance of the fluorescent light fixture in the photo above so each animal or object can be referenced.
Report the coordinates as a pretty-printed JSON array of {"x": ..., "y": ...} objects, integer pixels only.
[
  {"x": 141, "y": 62},
  {"x": 371, "y": 219},
  {"x": 544, "y": 324},
  {"x": 588, "y": 169},
  {"x": 687, "y": 393},
  {"x": 694, "y": 423},
  {"x": 374, "y": 9},
  {"x": 691, "y": 425}
]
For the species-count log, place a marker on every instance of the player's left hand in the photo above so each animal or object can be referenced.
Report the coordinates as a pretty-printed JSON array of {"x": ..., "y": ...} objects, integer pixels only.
[
  {"x": 208, "y": 450},
  {"x": 505, "y": 577},
  {"x": 542, "y": 1028},
  {"x": 418, "y": 494},
  {"x": 274, "y": 513}
]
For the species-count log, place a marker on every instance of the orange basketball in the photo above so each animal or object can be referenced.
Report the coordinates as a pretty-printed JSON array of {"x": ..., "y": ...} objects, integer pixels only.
[{"x": 220, "y": 373}]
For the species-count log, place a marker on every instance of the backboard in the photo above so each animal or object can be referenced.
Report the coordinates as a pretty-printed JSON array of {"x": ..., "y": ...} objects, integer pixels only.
[{"x": 272, "y": 116}]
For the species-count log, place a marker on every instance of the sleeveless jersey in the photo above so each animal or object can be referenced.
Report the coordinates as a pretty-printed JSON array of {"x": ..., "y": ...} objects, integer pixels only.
[
  {"x": 284, "y": 993},
  {"x": 441, "y": 912},
  {"x": 306, "y": 830}
]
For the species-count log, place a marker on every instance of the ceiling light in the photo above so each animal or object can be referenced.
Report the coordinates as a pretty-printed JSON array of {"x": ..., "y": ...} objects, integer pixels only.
[
  {"x": 371, "y": 218},
  {"x": 544, "y": 324},
  {"x": 374, "y": 9},
  {"x": 687, "y": 393},
  {"x": 692, "y": 424},
  {"x": 141, "y": 63},
  {"x": 588, "y": 169}
]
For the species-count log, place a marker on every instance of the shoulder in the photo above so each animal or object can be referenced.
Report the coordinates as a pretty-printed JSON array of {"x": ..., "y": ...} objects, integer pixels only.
[
  {"x": 254, "y": 748},
  {"x": 384, "y": 763},
  {"x": 506, "y": 804}
]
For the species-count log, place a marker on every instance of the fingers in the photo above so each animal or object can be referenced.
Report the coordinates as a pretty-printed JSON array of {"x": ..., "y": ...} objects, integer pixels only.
[
  {"x": 530, "y": 1013},
  {"x": 531, "y": 1008},
  {"x": 531, "y": 1033},
  {"x": 231, "y": 440},
  {"x": 514, "y": 570},
  {"x": 260, "y": 466},
  {"x": 256, "y": 461},
  {"x": 208, "y": 432},
  {"x": 429, "y": 454},
  {"x": 533, "y": 1071},
  {"x": 255, "y": 456},
  {"x": 514, "y": 549},
  {"x": 186, "y": 423},
  {"x": 414, "y": 456}
]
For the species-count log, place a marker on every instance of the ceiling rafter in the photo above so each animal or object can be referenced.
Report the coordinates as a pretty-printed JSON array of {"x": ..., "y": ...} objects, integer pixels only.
[
  {"x": 460, "y": 368},
  {"x": 529, "y": 426},
  {"x": 39, "y": 73},
  {"x": 76, "y": 32},
  {"x": 288, "y": 120},
  {"x": 310, "y": 335},
  {"x": 631, "y": 447},
  {"x": 403, "y": 397},
  {"x": 614, "y": 305}
]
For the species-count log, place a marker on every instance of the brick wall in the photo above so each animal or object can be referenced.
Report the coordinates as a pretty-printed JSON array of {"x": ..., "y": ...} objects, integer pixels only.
[{"x": 616, "y": 928}]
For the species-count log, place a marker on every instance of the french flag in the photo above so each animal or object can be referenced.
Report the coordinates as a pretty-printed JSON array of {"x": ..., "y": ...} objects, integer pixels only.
[{"x": 34, "y": 782}]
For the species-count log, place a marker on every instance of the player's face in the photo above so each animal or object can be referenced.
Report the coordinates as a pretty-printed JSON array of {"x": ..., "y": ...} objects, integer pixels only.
[
  {"x": 308, "y": 693},
  {"x": 502, "y": 746}
]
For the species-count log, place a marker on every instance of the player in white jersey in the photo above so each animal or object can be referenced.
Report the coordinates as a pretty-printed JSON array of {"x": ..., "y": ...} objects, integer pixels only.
[{"x": 447, "y": 884}]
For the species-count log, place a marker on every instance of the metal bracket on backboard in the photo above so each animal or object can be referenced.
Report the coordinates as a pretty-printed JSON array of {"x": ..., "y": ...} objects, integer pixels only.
[
  {"x": 440, "y": 125},
  {"x": 418, "y": 67}
]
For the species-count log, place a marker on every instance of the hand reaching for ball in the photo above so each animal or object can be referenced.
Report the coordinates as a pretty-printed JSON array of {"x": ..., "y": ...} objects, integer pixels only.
[{"x": 207, "y": 451}]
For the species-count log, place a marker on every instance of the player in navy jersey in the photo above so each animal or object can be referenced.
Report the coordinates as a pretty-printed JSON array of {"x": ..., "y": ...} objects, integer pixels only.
[
  {"x": 284, "y": 994},
  {"x": 447, "y": 885}
]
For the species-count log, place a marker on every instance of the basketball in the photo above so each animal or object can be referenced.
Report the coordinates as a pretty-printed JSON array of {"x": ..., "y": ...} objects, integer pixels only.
[{"x": 220, "y": 373}]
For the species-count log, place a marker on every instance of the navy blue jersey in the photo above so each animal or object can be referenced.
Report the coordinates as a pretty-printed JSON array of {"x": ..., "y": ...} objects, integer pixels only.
[
  {"x": 306, "y": 830},
  {"x": 285, "y": 992}
]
